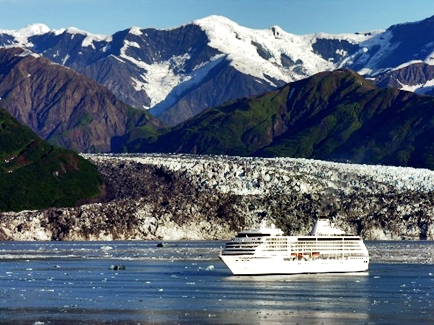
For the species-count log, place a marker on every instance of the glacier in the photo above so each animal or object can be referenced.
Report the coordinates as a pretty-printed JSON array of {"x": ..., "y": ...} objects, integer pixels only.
[{"x": 173, "y": 197}]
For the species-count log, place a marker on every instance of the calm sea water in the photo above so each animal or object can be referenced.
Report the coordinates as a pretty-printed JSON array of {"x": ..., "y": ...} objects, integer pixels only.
[{"x": 75, "y": 283}]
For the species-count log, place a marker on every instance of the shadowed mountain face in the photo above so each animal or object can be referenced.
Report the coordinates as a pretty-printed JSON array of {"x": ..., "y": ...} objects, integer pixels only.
[
  {"x": 332, "y": 116},
  {"x": 35, "y": 175},
  {"x": 63, "y": 106}
]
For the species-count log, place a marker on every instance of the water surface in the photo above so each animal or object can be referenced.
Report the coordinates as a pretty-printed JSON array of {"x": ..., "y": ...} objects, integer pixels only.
[{"x": 76, "y": 283}]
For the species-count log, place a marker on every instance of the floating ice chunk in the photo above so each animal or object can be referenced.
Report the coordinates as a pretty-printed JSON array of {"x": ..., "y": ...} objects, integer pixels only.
[{"x": 210, "y": 268}]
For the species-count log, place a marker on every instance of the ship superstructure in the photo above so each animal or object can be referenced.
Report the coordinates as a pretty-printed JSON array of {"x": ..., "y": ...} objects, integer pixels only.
[{"x": 267, "y": 250}]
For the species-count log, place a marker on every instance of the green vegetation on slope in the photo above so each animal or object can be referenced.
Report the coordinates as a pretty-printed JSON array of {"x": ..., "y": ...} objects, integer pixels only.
[
  {"x": 36, "y": 175},
  {"x": 237, "y": 128}
]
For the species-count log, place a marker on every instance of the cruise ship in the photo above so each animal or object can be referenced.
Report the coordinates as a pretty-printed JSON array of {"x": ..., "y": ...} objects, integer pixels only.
[{"x": 267, "y": 250}]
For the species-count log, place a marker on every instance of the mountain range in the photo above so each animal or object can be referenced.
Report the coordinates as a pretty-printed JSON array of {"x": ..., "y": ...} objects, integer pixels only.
[
  {"x": 176, "y": 73},
  {"x": 115, "y": 93}
]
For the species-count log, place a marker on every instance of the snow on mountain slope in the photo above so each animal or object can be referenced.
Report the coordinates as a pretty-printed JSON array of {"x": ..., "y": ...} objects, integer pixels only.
[
  {"x": 402, "y": 57},
  {"x": 157, "y": 79},
  {"x": 21, "y": 36},
  {"x": 165, "y": 80},
  {"x": 193, "y": 65},
  {"x": 271, "y": 55},
  {"x": 179, "y": 84},
  {"x": 29, "y": 30},
  {"x": 259, "y": 52}
]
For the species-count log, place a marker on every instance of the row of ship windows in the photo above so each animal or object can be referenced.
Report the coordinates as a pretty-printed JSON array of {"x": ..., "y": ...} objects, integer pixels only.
[
  {"x": 326, "y": 245},
  {"x": 297, "y": 247},
  {"x": 324, "y": 251},
  {"x": 313, "y": 242},
  {"x": 326, "y": 239},
  {"x": 322, "y": 246},
  {"x": 331, "y": 250},
  {"x": 309, "y": 246},
  {"x": 299, "y": 243}
]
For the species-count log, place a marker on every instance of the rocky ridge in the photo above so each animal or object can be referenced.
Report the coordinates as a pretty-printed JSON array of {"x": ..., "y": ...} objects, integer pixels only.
[
  {"x": 170, "y": 197},
  {"x": 64, "y": 107}
]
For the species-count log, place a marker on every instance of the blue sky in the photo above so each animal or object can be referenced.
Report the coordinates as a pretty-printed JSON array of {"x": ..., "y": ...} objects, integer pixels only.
[{"x": 294, "y": 16}]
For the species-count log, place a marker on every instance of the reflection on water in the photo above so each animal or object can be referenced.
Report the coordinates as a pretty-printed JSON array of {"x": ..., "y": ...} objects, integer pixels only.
[
  {"x": 185, "y": 283},
  {"x": 314, "y": 299}
]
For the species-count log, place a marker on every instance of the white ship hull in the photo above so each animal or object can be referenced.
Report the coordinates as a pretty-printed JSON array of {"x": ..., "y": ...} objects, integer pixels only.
[{"x": 249, "y": 265}]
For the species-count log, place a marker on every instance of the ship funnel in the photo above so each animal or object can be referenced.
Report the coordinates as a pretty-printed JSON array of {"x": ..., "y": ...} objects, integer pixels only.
[{"x": 323, "y": 227}]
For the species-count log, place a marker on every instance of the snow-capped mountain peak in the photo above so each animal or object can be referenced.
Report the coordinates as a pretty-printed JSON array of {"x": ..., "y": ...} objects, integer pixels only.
[
  {"x": 271, "y": 54},
  {"x": 212, "y": 60},
  {"x": 22, "y": 35},
  {"x": 253, "y": 52},
  {"x": 32, "y": 30},
  {"x": 136, "y": 31}
]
